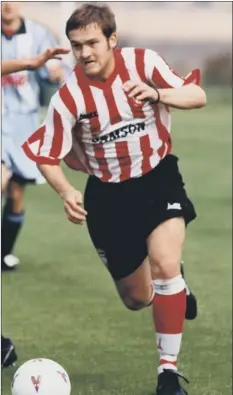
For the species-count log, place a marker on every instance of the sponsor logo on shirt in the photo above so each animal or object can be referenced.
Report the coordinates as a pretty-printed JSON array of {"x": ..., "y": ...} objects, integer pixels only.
[
  {"x": 120, "y": 133},
  {"x": 14, "y": 80}
]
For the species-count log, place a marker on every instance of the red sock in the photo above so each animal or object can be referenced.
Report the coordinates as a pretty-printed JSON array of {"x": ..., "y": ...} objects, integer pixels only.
[{"x": 169, "y": 306}]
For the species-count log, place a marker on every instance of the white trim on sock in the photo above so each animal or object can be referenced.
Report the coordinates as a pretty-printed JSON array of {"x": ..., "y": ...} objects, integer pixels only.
[
  {"x": 168, "y": 344},
  {"x": 169, "y": 287}
]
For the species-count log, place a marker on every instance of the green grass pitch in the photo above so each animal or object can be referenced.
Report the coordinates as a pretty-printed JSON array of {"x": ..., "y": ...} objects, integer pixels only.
[{"x": 61, "y": 304}]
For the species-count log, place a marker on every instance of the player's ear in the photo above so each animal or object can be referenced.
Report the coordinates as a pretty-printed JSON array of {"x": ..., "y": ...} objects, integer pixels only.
[{"x": 113, "y": 41}]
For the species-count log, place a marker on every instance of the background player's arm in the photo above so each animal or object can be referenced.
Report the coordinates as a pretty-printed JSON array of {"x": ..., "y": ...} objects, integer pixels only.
[{"x": 15, "y": 65}]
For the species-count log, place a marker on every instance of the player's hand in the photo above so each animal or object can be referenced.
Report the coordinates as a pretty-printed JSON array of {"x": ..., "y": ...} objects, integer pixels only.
[
  {"x": 73, "y": 201},
  {"x": 139, "y": 91},
  {"x": 56, "y": 73},
  {"x": 51, "y": 53}
]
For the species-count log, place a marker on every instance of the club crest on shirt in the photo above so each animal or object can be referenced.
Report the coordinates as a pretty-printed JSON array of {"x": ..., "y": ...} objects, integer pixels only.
[{"x": 88, "y": 115}]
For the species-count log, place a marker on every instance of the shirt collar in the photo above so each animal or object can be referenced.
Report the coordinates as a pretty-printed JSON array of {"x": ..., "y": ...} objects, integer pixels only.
[{"x": 9, "y": 35}]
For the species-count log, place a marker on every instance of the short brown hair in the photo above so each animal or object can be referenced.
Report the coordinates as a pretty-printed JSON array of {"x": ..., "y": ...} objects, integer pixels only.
[{"x": 87, "y": 14}]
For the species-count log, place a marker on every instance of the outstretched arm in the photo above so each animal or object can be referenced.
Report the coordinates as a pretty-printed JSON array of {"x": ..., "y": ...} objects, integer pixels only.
[{"x": 15, "y": 65}]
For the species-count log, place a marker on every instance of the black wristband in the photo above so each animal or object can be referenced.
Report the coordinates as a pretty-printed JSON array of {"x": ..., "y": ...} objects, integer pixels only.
[{"x": 157, "y": 101}]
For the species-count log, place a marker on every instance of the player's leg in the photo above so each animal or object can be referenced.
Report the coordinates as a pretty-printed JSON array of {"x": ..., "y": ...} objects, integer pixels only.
[
  {"x": 118, "y": 241},
  {"x": 8, "y": 353},
  {"x": 24, "y": 171},
  {"x": 170, "y": 212},
  {"x": 166, "y": 294},
  {"x": 136, "y": 289},
  {"x": 128, "y": 264},
  {"x": 169, "y": 304},
  {"x": 165, "y": 248},
  {"x": 12, "y": 221}
]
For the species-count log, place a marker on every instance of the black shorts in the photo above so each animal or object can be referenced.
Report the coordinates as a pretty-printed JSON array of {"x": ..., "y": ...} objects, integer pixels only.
[{"x": 122, "y": 215}]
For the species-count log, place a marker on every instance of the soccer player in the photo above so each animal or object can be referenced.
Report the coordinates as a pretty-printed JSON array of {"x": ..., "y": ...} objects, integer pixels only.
[
  {"x": 112, "y": 119},
  {"x": 21, "y": 38}
]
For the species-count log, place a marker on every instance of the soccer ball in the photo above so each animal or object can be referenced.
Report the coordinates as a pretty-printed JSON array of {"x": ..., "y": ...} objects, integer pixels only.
[{"x": 41, "y": 377}]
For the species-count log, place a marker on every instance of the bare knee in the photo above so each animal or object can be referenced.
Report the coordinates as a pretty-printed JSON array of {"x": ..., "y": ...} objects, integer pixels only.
[
  {"x": 135, "y": 304},
  {"x": 165, "y": 245},
  {"x": 136, "y": 290},
  {"x": 135, "y": 300}
]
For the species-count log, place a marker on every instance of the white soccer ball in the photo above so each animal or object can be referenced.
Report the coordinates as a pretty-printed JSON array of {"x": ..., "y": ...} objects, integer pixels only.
[{"x": 41, "y": 377}]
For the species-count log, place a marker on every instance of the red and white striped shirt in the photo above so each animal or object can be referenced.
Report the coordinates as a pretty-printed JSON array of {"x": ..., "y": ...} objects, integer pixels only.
[{"x": 95, "y": 127}]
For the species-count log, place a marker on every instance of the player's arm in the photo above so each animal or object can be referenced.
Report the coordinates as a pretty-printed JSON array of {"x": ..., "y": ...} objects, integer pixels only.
[
  {"x": 165, "y": 86},
  {"x": 47, "y": 146},
  {"x": 186, "y": 97},
  {"x": 15, "y": 65}
]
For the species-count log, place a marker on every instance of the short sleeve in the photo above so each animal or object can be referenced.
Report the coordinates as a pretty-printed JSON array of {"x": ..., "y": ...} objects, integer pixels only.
[
  {"x": 159, "y": 73},
  {"x": 53, "y": 140}
]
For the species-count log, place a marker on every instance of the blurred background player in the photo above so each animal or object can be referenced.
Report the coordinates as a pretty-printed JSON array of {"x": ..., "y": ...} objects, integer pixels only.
[
  {"x": 111, "y": 120},
  {"x": 8, "y": 352},
  {"x": 15, "y": 65},
  {"x": 21, "y": 38}
]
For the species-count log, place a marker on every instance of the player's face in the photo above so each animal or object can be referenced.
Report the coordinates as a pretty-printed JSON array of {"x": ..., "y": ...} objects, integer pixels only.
[
  {"x": 10, "y": 10},
  {"x": 93, "y": 51}
]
